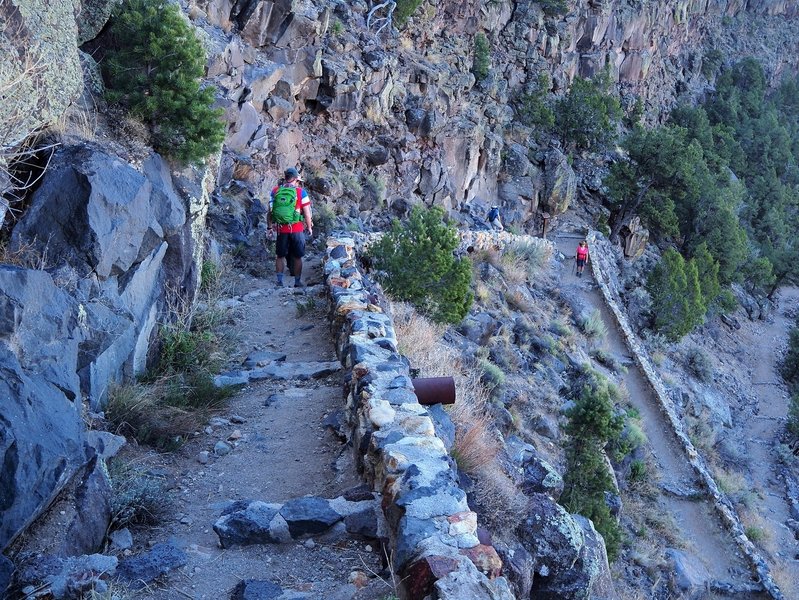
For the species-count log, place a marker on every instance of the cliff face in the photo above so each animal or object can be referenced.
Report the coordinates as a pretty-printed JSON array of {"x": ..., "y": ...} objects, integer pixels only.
[
  {"x": 366, "y": 112},
  {"x": 653, "y": 48}
]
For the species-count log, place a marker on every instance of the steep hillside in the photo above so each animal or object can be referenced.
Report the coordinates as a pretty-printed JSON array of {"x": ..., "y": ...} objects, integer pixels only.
[{"x": 384, "y": 106}]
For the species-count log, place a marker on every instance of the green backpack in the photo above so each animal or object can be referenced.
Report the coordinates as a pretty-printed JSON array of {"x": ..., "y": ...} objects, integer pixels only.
[{"x": 284, "y": 206}]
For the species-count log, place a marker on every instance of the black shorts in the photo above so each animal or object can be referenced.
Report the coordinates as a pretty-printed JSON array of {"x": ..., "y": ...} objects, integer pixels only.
[
  {"x": 580, "y": 262},
  {"x": 290, "y": 244}
]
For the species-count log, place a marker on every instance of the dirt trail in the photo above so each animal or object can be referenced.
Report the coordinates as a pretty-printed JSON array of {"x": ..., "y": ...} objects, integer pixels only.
[
  {"x": 695, "y": 520},
  {"x": 283, "y": 451},
  {"x": 762, "y": 422}
]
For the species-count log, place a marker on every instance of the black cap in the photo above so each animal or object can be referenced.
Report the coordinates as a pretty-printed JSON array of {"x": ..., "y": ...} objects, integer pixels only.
[{"x": 291, "y": 173}]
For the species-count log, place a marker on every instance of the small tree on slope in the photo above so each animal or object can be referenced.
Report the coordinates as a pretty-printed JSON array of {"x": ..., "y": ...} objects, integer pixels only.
[
  {"x": 419, "y": 266},
  {"x": 154, "y": 69}
]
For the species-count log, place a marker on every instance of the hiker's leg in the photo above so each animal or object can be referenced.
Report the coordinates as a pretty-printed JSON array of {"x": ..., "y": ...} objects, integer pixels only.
[
  {"x": 281, "y": 249},
  {"x": 297, "y": 251}
]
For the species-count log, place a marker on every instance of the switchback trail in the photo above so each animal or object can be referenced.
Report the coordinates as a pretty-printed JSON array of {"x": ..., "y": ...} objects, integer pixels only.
[
  {"x": 691, "y": 513},
  {"x": 279, "y": 450}
]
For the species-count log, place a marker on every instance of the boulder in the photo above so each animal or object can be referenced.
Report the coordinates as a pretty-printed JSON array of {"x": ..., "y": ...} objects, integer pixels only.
[
  {"x": 41, "y": 429},
  {"x": 635, "y": 237},
  {"x": 541, "y": 477},
  {"x": 40, "y": 55},
  {"x": 254, "y": 589},
  {"x": 90, "y": 511},
  {"x": 308, "y": 516},
  {"x": 93, "y": 211},
  {"x": 295, "y": 371},
  {"x": 93, "y": 16},
  {"x": 570, "y": 558},
  {"x": 248, "y": 524},
  {"x": 560, "y": 183},
  {"x": 68, "y": 578},
  {"x": 138, "y": 571},
  {"x": 688, "y": 574}
]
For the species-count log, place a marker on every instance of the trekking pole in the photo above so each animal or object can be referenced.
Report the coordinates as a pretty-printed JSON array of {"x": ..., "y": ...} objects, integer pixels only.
[{"x": 574, "y": 266}]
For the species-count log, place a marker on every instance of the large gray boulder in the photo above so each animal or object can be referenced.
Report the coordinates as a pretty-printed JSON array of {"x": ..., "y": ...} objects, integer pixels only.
[
  {"x": 41, "y": 430},
  {"x": 40, "y": 62},
  {"x": 569, "y": 555},
  {"x": 560, "y": 183},
  {"x": 92, "y": 211},
  {"x": 126, "y": 234}
]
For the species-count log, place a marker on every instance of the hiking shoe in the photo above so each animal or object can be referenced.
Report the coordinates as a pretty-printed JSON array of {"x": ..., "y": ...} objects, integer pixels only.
[{"x": 301, "y": 285}]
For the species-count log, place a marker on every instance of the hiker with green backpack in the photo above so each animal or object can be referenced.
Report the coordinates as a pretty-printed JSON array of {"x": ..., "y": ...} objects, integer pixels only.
[{"x": 289, "y": 205}]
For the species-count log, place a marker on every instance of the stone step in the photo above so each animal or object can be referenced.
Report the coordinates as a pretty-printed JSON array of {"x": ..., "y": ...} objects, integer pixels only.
[{"x": 282, "y": 371}]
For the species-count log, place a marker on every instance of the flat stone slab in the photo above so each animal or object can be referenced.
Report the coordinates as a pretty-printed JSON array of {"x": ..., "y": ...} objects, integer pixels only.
[
  {"x": 295, "y": 371},
  {"x": 263, "y": 358},
  {"x": 309, "y": 516},
  {"x": 140, "y": 570}
]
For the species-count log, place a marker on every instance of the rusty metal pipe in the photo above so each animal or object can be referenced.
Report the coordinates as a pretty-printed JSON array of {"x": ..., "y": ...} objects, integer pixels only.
[{"x": 434, "y": 390}]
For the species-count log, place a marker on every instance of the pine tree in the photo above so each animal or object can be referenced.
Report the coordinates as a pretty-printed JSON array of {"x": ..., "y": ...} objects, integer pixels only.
[
  {"x": 592, "y": 425},
  {"x": 482, "y": 56},
  {"x": 676, "y": 295},
  {"x": 154, "y": 68},
  {"x": 419, "y": 265}
]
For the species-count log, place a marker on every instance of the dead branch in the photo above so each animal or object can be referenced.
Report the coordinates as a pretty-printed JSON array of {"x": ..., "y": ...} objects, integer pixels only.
[{"x": 390, "y": 6}]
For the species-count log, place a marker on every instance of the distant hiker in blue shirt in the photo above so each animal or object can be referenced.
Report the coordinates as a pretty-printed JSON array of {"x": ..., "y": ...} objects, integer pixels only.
[
  {"x": 493, "y": 218},
  {"x": 289, "y": 205}
]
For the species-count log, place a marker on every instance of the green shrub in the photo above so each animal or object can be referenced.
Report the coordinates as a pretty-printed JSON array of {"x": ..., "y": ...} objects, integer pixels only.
[
  {"x": 482, "y": 56},
  {"x": 699, "y": 363},
  {"x": 337, "y": 28},
  {"x": 755, "y": 534},
  {"x": 638, "y": 471},
  {"x": 375, "y": 187},
  {"x": 492, "y": 375},
  {"x": 588, "y": 115},
  {"x": 210, "y": 274},
  {"x": 533, "y": 108},
  {"x": 676, "y": 295},
  {"x": 324, "y": 218},
  {"x": 416, "y": 263},
  {"x": 154, "y": 68},
  {"x": 593, "y": 326},
  {"x": 592, "y": 425},
  {"x": 405, "y": 8},
  {"x": 793, "y": 415},
  {"x": 554, "y": 8},
  {"x": 137, "y": 497}
]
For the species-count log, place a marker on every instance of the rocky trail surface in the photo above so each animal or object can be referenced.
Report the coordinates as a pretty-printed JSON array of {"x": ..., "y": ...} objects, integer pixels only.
[
  {"x": 762, "y": 411},
  {"x": 709, "y": 557},
  {"x": 272, "y": 446}
]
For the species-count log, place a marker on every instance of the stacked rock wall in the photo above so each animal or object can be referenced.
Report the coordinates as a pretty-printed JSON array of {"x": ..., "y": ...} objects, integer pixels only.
[
  {"x": 433, "y": 533},
  {"x": 602, "y": 263}
]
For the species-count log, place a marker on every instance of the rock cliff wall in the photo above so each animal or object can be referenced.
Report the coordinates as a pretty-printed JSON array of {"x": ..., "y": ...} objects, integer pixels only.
[
  {"x": 387, "y": 120},
  {"x": 111, "y": 240}
]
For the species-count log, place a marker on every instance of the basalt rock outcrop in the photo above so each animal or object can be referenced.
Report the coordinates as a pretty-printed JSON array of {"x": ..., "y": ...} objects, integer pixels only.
[
  {"x": 111, "y": 239},
  {"x": 402, "y": 112}
]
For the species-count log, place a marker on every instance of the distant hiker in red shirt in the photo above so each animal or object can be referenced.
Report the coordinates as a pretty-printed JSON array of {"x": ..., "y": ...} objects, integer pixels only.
[
  {"x": 288, "y": 206},
  {"x": 581, "y": 257}
]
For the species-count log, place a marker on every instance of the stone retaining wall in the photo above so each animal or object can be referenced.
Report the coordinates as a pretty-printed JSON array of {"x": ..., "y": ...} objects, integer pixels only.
[
  {"x": 600, "y": 263},
  {"x": 432, "y": 531}
]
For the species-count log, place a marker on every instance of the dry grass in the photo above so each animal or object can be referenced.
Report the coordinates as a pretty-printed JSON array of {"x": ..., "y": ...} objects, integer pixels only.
[
  {"x": 524, "y": 260},
  {"x": 502, "y": 505},
  {"x": 760, "y": 531},
  {"x": 784, "y": 575},
  {"x": 165, "y": 412},
  {"x": 420, "y": 340},
  {"x": 28, "y": 255}
]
